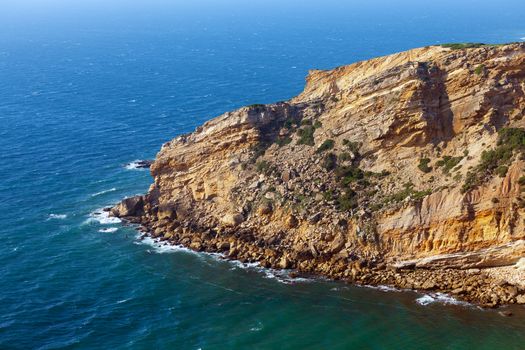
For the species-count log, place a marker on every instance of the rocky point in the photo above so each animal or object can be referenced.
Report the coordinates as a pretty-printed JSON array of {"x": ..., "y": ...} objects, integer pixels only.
[{"x": 405, "y": 170}]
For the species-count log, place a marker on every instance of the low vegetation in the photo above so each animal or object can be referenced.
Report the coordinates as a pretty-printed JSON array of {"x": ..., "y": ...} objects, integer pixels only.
[
  {"x": 325, "y": 146},
  {"x": 347, "y": 200},
  {"x": 406, "y": 192},
  {"x": 511, "y": 141},
  {"x": 306, "y": 135},
  {"x": 329, "y": 161},
  {"x": 448, "y": 163},
  {"x": 306, "y": 132},
  {"x": 284, "y": 140},
  {"x": 262, "y": 166},
  {"x": 460, "y": 46},
  {"x": 423, "y": 165},
  {"x": 352, "y": 146},
  {"x": 479, "y": 69}
]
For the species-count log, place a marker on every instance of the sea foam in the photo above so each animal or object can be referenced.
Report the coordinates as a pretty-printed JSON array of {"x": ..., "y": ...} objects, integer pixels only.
[
  {"x": 439, "y": 298},
  {"x": 102, "y": 217},
  {"x": 137, "y": 164},
  {"x": 108, "y": 230},
  {"x": 103, "y": 192},
  {"x": 57, "y": 216},
  {"x": 282, "y": 276}
]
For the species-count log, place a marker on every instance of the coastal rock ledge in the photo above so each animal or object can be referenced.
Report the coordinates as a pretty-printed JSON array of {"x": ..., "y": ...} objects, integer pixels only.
[{"x": 405, "y": 170}]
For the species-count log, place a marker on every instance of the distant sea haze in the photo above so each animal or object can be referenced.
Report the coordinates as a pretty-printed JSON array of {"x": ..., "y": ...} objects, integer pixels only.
[{"x": 86, "y": 92}]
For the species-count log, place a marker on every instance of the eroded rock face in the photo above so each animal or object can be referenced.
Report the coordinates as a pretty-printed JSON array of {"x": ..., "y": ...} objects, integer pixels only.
[
  {"x": 132, "y": 206},
  {"x": 370, "y": 168}
]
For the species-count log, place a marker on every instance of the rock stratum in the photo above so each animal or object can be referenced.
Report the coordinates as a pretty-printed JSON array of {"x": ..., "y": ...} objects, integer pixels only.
[{"x": 405, "y": 170}]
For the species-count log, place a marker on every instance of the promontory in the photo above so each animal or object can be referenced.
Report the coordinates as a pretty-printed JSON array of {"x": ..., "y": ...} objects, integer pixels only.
[{"x": 405, "y": 170}]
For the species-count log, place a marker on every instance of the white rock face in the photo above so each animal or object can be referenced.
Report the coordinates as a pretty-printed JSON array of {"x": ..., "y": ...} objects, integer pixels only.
[{"x": 520, "y": 265}]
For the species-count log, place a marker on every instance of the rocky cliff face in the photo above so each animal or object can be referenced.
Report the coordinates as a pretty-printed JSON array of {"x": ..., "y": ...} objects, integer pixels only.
[{"x": 405, "y": 170}]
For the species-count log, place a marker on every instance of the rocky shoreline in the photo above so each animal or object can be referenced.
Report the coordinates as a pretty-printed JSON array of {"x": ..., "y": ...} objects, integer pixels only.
[{"x": 473, "y": 286}]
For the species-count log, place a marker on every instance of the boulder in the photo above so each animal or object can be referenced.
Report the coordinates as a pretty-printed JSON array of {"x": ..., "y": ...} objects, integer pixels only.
[
  {"x": 284, "y": 263},
  {"x": 132, "y": 206},
  {"x": 232, "y": 219}
]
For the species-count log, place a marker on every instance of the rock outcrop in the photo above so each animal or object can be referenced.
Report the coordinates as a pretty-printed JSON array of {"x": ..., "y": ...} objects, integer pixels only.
[{"x": 399, "y": 170}]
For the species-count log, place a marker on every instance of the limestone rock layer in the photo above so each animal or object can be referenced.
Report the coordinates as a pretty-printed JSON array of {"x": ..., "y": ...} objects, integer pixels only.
[{"x": 408, "y": 161}]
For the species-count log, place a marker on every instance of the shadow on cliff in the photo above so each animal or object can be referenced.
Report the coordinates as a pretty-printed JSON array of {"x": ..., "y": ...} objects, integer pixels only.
[{"x": 436, "y": 103}]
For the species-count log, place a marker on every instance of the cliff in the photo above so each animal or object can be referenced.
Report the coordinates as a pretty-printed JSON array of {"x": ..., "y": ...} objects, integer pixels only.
[{"x": 405, "y": 170}]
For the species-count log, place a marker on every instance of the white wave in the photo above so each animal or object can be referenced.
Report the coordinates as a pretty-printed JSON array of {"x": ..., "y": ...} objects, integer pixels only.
[
  {"x": 163, "y": 247},
  {"x": 108, "y": 230},
  {"x": 123, "y": 301},
  {"x": 135, "y": 165},
  {"x": 425, "y": 300},
  {"x": 523, "y": 38},
  {"x": 239, "y": 264},
  {"x": 102, "y": 217},
  {"x": 439, "y": 298},
  {"x": 257, "y": 328},
  {"x": 384, "y": 288},
  {"x": 103, "y": 192},
  {"x": 57, "y": 216},
  {"x": 281, "y": 276}
]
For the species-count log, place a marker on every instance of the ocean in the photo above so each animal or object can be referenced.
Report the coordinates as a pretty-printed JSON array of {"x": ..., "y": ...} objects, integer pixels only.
[{"x": 87, "y": 89}]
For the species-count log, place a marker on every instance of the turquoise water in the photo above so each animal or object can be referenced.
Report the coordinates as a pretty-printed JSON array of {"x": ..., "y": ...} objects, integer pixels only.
[{"x": 85, "y": 90}]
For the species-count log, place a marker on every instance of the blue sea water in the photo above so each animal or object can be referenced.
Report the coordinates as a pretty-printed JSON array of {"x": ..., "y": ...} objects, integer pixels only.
[{"x": 87, "y": 88}]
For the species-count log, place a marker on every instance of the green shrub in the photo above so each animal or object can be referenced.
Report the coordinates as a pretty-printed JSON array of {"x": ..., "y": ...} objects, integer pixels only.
[
  {"x": 348, "y": 174},
  {"x": 317, "y": 124},
  {"x": 289, "y": 123},
  {"x": 502, "y": 170},
  {"x": 262, "y": 166},
  {"x": 328, "y": 195},
  {"x": 479, "y": 69},
  {"x": 496, "y": 161},
  {"x": 459, "y": 46},
  {"x": 521, "y": 181},
  {"x": 407, "y": 191},
  {"x": 325, "y": 146},
  {"x": 306, "y": 122},
  {"x": 344, "y": 157},
  {"x": 347, "y": 201},
  {"x": 306, "y": 136},
  {"x": 448, "y": 162},
  {"x": 423, "y": 165},
  {"x": 417, "y": 195},
  {"x": 281, "y": 141},
  {"x": 375, "y": 207},
  {"x": 513, "y": 137},
  {"x": 352, "y": 146},
  {"x": 329, "y": 161}
]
